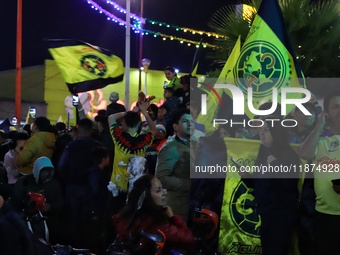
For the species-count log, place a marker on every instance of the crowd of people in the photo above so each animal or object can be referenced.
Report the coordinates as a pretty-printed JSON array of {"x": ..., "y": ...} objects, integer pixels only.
[{"x": 117, "y": 175}]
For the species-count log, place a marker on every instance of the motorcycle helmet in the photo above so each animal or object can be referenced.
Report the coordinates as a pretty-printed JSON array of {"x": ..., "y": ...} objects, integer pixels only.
[
  {"x": 146, "y": 243},
  {"x": 205, "y": 223},
  {"x": 35, "y": 202}
]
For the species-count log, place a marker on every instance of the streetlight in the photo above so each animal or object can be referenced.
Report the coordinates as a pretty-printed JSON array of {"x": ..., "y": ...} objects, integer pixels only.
[{"x": 146, "y": 63}]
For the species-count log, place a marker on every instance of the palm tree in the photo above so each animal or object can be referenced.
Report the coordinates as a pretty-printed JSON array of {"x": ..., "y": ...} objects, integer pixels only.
[{"x": 314, "y": 29}]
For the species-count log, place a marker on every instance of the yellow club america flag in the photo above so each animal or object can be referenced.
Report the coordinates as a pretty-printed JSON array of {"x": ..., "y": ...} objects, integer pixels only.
[
  {"x": 232, "y": 60},
  {"x": 213, "y": 104},
  {"x": 84, "y": 66},
  {"x": 240, "y": 221},
  {"x": 267, "y": 59}
]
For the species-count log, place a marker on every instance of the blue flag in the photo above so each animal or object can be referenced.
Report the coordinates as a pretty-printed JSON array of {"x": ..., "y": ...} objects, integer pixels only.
[{"x": 5, "y": 125}]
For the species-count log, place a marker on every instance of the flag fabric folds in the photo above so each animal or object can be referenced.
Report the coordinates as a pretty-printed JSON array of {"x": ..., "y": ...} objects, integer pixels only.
[
  {"x": 84, "y": 66},
  {"x": 5, "y": 126},
  {"x": 194, "y": 71},
  {"x": 240, "y": 222},
  {"x": 267, "y": 59},
  {"x": 226, "y": 74},
  {"x": 233, "y": 57}
]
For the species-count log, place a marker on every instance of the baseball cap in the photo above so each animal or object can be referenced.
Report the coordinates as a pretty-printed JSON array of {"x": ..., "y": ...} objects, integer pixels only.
[
  {"x": 114, "y": 97},
  {"x": 160, "y": 127}
]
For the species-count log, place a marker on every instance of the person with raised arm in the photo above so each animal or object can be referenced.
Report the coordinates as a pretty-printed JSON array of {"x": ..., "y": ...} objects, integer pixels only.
[
  {"x": 127, "y": 143},
  {"x": 323, "y": 147}
]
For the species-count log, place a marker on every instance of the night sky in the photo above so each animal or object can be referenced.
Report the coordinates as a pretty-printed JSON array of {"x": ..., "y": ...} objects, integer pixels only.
[{"x": 74, "y": 19}]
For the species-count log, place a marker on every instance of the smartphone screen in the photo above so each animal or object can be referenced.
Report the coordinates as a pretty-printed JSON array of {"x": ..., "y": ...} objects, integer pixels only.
[
  {"x": 75, "y": 100},
  {"x": 33, "y": 112},
  {"x": 14, "y": 121}
]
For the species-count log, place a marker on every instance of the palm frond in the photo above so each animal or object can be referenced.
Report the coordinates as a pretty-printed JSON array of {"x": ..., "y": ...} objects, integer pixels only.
[{"x": 314, "y": 29}]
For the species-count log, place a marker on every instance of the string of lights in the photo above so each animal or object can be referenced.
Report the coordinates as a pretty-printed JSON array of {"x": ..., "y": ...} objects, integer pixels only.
[
  {"x": 185, "y": 29},
  {"x": 154, "y": 22},
  {"x": 122, "y": 10},
  {"x": 137, "y": 29},
  {"x": 109, "y": 15},
  {"x": 181, "y": 40}
]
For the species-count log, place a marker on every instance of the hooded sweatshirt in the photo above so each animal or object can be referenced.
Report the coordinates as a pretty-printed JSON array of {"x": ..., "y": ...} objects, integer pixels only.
[
  {"x": 39, "y": 164},
  {"x": 51, "y": 189},
  {"x": 40, "y": 144}
]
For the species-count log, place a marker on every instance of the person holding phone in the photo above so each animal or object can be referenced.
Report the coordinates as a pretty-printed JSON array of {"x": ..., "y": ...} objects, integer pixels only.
[
  {"x": 323, "y": 147},
  {"x": 41, "y": 143},
  {"x": 17, "y": 144},
  {"x": 33, "y": 112},
  {"x": 75, "y": 100}
]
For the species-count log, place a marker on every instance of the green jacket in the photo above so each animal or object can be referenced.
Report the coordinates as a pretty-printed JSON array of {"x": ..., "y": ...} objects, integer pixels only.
[
  {"x": 174, "y": 83},
  {"x": 173, "y": 170},
  {"x": 40, "y": 144}
]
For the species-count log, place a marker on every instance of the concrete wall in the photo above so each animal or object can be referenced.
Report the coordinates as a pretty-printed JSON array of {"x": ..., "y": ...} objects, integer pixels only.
[
  {"x": 32, "y": 85},
  {"x": 56, "y": 90},
  {"x": 45, "y": 88},
  {"x": 32, "y": 92}
]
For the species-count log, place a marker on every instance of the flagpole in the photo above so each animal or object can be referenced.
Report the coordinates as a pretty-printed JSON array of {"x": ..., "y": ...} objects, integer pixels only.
[
  {"x": 18, "y": 63},
  {"x": 127, "y": 56},
  {"x": 140, "y": 44}
]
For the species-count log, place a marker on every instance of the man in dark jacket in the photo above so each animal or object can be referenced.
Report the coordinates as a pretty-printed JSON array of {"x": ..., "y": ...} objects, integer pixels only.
[
  {"x": 104, "y": 133},
  {"x": 41, "y": 181},
  {"x": 74, "y": 167},
  {"x": 114, "y": 107}
]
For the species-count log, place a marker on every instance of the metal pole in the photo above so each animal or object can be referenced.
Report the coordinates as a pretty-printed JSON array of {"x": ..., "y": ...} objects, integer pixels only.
[
  {"x": 145, "y": 83},
  {"x": 18, "y": 63},
  {"x": 127, "y": 56},
  {"x": 141, "y": 44}
]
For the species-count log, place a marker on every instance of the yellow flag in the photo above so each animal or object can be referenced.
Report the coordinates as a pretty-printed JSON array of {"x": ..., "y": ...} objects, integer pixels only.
[
  {"x": 267, "y": 59},
  {"x": 240, "y": 222},
  {"x": 194, "y": 72},
  {"x": 28, "y": 116},
  {"x": 84, "y": 66},
  {"x": 231, "y": 62},
  {"x": 60, "y": 119},
  {"x": 212, "y": 104}
]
